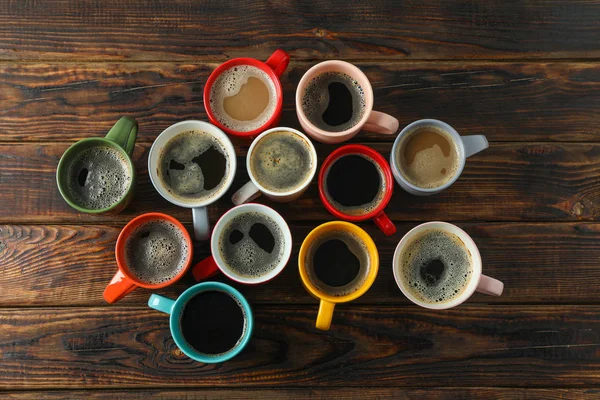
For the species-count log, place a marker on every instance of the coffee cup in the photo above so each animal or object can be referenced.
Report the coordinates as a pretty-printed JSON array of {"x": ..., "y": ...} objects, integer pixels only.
[
  {"x": 192, "y": 164},
  {"x": 334, "y": 101},
  {"x": 243, "y": 96},
  {"x": 96, "y": 175},
  {"x": 356, "y": 184},
  {"x": 250, "y": 244},
  {"x": 210, "y": 322},
  {"x": 281, "y": 163},
  {"x": 338, "y": 262},
  {"x": 428, "y": 156},
  {"x": 153, "y": 250},
  {"x": 437, "y": 265}
]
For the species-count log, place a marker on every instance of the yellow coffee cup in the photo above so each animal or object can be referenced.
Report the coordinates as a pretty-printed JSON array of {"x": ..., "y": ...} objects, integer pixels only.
[{"x": 319, "y": 290}]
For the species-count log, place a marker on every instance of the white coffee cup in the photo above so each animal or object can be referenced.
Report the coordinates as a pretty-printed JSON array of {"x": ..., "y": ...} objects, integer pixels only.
[
  {"x": 477, "y": 283},
  {"x": 199, "y": 212},
  {"x": 466, "y": 146},
  {"x": 254, "y": 189}
]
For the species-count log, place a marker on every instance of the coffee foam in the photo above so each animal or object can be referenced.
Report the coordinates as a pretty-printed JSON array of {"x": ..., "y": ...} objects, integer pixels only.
[
  {"x": 156, "y": 252},
  {"x": 315, "y": 100},
  {"x": 356, "y": 246},
  {"x": 245, "y": 257},
  {"x": 281, "y": 161},
  {"x": 228, "y": 84},
  {"x": 108, "y": 177},
  {"x": 435, "y": 244}
]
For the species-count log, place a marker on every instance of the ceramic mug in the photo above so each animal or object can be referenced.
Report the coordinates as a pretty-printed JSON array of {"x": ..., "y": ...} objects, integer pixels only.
[
  {"x": 372, "y": 121},
  {"x": 175, "y": 310},
  {"x": 273, "y": 67},
  {"x": 215, "y": 263},
  {"x": 121, "y": 138},
  {"x": 198, "y": 206},
  {"x": 465, "y": 145},
  {"x": 377, "y": 214},
  {"x": 124, "y": 282},
  {"x": 477, "y": 282},
  {"x": 328, "y": 301},
  {"x": 254, "y": 188}
]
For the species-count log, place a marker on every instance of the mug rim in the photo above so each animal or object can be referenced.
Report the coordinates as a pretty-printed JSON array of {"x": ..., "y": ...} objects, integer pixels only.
[
  {"x": 225, "y": 66},
  {"x": 471, "y": 248},
  {"x": 371, "y": 153},
  {"x": 125, "y": 234},
  {"x": 61, "y": 169},
  {"x": 313, "y": 153},
  {"x": 177, "y": 311}
]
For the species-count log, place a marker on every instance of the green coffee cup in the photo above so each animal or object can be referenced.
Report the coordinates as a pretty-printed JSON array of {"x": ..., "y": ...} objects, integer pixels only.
[{"x": 96, "y": 175}]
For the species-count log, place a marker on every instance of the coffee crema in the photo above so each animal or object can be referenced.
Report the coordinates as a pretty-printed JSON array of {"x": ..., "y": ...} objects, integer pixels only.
[
  {"x": 337, "y": 263},
  {"x": 281, "y": 161},
  {"x": 251, "y": 244},
  {"x": 435, "y": 266},
  {"x": 428, "y": 157},
  {"x": 243, "y": 98},
  {"x": 193, "y": 166},
  {"x": 156, "y": 252}
]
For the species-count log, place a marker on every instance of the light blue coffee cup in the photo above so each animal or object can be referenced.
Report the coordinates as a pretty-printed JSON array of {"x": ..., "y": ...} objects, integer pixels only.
[{"x": 175, "y": 309}]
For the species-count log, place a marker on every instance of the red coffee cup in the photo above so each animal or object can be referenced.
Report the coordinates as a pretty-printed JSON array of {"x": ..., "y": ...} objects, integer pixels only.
[
  {"x": 273, "y": 67},
  {"x": 377, "y": 214}
]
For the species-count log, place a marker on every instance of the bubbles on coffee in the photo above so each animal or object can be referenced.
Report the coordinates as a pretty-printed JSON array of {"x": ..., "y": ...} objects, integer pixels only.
[
  {"x": 156, "y": 252},
  {"x": 243, "y": 98},
  {"x": 99, "y": 177},
  {"x": 435, "y": 266},
  {"x": 251, "y": 244},
  {"x": 334, "y": 101}
]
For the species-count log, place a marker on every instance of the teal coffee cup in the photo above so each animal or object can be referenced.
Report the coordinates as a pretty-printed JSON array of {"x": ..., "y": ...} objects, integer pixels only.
[
  {"x": 211, "y": 322},
  {"x": 96, "y": 175}
]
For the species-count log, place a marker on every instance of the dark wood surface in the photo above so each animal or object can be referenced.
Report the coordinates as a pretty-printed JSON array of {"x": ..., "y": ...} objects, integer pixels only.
[{"x": 525, "y": 74}]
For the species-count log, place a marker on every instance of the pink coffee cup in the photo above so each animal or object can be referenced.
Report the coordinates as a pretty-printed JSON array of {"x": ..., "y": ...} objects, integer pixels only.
[{"x": 372, "y": 121}]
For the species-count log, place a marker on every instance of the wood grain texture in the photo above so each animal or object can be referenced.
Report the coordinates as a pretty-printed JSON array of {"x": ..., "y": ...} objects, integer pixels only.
[
  {"x": 393, "y": 346},
  {"x": 70, "y": 266},
  {"x": 187, "y": 29},
  {"x": 507, "y": 182},
  {"x": 447, "y": 393},
  {"x": 505, "y": 101}
]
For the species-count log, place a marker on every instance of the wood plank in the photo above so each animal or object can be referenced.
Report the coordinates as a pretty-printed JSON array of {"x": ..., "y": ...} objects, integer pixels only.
[
  {"x": 505, "y": 101},
  {"x": 187, "y": 29},
  {"x": 507, "y": 182},
  {"x": 394, "y": 346},
  {"x": 48, "y": 265},
  {"x": 484, "y": 393}
]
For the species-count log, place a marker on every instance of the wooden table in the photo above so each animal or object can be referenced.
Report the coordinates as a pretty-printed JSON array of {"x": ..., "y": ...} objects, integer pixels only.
[{"x": 525, "y": 75}]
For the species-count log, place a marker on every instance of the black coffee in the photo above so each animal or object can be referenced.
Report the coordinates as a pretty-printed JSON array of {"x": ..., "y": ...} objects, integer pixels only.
[
  {"x": 156, "y": 252},
  {"x": 193, "y": 166},
  {"x": 435, "y": 266},
  {"x": 337, "y": 263},
  {"x": 251, "y": 244},
  {"x": 213, "y": 322},
  {"x": 333, "y": 101},
  {"x": 354, "y": 184},
  {"x": 99, "y": 177}
]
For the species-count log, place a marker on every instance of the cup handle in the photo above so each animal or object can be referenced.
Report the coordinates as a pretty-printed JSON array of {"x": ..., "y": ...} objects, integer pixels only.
[
  {"x": 201, "y": 224},
  {"x": 278, "y": 61},
  {"x": 491, "y": 286},
  {"x": 124, "y": 133},
  {"x": 119, "y": 287},
  {"x": 385, "y": 223},
  {"x": 161, "y": 303},
  {"x": 205, "y": 269},
  {"x": 246, "y": 193},
  {"x": 474, "y": 144},
  {"x": 325, "y": 315},
  {"x": 379, "y": 122}
]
